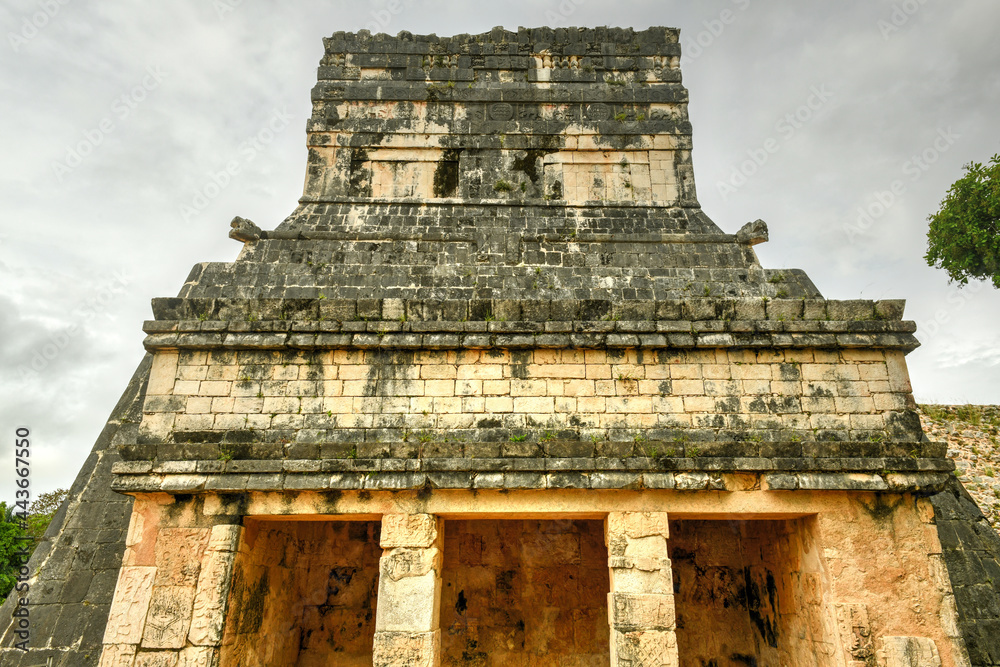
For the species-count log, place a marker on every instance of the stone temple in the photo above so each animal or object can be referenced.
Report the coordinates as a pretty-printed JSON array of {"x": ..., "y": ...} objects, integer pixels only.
[{"x": 499, "y": 393}]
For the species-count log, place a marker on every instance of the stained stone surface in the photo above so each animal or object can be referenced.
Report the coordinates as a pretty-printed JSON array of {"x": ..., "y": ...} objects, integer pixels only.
[
  {"x": 539, "y": 164},
  {"x": 971, "y": 550},
  {"x": 305, "y": 595},
  {"x": 525, "y": 592},
  {"x": 78, "y": 561}
]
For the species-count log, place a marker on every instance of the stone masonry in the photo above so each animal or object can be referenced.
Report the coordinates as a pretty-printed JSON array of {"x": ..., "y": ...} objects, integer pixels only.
[{"x": 499, "y": 392}]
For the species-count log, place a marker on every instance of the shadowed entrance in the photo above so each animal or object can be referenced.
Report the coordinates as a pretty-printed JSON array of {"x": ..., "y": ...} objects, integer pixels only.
[
  {"x": 525, "y": 593},
  {"x": 303, "y": 595}
]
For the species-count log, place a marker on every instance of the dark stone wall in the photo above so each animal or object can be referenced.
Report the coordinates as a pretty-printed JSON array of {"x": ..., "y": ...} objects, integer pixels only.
[
  {"x": 76, "y": 565},
  {"x": 972, "y": 554}
]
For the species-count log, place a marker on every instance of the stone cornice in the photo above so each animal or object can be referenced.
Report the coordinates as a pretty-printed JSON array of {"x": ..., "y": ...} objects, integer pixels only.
[
  {"x": 701, "y": 474},
  {"x": 278, "y": 334}
]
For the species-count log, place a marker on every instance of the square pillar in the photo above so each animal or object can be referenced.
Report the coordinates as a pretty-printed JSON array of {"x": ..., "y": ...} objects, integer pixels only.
[
  {"x": 408, "y": 611},
  {"x": 641, "y": 603}
]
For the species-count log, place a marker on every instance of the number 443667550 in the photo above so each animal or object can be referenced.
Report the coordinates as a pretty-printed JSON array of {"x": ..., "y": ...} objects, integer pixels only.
[{"x": 22, "y": 472}]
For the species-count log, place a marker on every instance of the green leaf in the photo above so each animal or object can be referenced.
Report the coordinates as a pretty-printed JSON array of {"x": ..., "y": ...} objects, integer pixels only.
[{"x": 964, "y": 235}]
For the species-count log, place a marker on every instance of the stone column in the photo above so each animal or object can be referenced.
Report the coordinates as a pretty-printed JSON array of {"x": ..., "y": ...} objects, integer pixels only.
[
  {"x": 407, "y": 613},
  {"x": 641, "y": 602},
  {"x": 211, "y": 597}
]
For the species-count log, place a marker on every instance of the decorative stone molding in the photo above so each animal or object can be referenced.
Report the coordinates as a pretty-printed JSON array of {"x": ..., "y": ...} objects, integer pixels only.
[{"x": 375, "y": 474}]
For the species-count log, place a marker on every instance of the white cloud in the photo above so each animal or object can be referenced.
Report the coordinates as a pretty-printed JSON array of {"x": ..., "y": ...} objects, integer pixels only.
[{"x": 984, "y": 352}]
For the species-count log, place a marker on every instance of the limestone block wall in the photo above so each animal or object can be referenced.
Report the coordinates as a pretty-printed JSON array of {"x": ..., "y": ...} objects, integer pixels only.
[
  {"x": 887, "y": 576},
  {"x": 369, "y": 403},
  {"x": 525, "y": 592},
  {"x": 474, "y": 254},
  {"x": 420, "y": 168},
  {"x": 478, "y": 117},
  {"x": 303, "y": 593}
]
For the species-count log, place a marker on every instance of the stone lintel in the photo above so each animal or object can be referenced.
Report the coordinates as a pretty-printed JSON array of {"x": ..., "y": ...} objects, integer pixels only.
[{"x": 728, "y": 478}]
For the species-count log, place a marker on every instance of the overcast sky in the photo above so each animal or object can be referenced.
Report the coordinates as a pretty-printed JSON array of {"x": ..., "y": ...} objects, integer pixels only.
[{"x": 840, "y": 124}]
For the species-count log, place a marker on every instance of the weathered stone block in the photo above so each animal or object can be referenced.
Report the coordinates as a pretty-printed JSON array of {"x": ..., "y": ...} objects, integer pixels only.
[
  {"x": 691, "y": 481},
  {"x": 130, "y": 605},
  {"x": 169, "y": 617},
  {"x": 644, "y": 648},
  {"x": 198, "y": 656},
  {"x": 400, "y": 563},
  {"x": 407, "y": 649},
  {"x": 908, "y": 652},
  {"x": 409, "y": 530},
  {"x": 407, "y": 603},
  {"x": 638, "y": 524},
  {"x": 641, "y": 611},
  {"x": 212, "y": 592},
  {"x": 118, "y": 655},
  {"x": 163, "y": 373},
  {"x": 644, "y": 575},
  {"x": 156, "y": 659}
]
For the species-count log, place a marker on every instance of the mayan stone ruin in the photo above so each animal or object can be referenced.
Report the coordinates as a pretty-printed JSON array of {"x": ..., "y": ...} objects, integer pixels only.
[{"x": 499, "y": 393}]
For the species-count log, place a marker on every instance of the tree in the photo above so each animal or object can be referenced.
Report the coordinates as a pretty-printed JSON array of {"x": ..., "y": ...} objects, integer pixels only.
[
  {"x": 19, "y": 535},
  {"x": 10, "y": 548},
  {"x": 964, "y": 236},
  {"x": 41, "y": 512}
]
